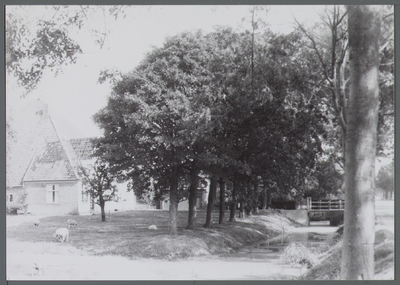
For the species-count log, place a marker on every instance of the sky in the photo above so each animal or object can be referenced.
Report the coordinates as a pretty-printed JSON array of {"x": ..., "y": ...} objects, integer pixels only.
[{"x": 75, "y": 96}]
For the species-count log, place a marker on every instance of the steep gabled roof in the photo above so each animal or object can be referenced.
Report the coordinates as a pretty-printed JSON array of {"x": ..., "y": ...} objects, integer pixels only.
[
  {"x": 39, "y": 153},
  {"x": 50, "y": 163},
  {"x": 32, "y": 130}
]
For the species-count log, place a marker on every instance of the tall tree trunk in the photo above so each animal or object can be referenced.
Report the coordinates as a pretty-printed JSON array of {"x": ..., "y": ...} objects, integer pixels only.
[
  {"x": 359, "y": 226},
  {"x": 269, "y": 198},
  {"x": 241, "y": 211},
  {"x": 102, "y": 205},
  {"x": 211, "y": 200},
  {"x": 234, "y": 200},
  {"x": 221, "y": 200},
  {"x": 173, "y": 201},
  {"x": 264, "y": 196},
  {"x": 256, "y": 184},
  {"x": 194, "y": 183}
]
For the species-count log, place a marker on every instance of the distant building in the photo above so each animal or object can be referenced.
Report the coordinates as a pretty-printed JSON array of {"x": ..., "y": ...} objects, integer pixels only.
[{"x": 42, "y": 168}]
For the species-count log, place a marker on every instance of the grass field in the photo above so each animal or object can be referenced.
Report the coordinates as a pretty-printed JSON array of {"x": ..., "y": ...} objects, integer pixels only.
[{"x": 127, "y": 234}]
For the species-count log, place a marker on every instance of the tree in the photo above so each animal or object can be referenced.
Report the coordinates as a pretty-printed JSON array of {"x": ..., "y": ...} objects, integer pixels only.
[
  {"x": 325, "y": 181},
  {"x": 361, "y": 138},
  {"x": 328, "y": 40},
  {"x": 385, "y": 181},
  {"x": 34, "y": 45},
  {"x": 98, "y": 182},
  {"x": 222, "y": 198},
  {"x": 211, "y": 200},
  {"x": 225, "y": 104},
  {"x": 157, "y": 116}
]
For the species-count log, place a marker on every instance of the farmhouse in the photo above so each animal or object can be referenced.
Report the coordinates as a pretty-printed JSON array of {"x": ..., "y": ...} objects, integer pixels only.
[{"x": 42, "y": 167}]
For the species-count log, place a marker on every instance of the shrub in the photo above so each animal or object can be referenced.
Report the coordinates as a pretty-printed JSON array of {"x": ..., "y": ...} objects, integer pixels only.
[
  {"x": 296, "y": 254},
  {"x": 329, "y": 266}
]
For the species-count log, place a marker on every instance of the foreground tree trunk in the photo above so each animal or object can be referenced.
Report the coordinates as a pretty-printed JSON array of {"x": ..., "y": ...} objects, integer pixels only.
[
  {"x": 234, "y": 201},
  {"x": 221, "y": 200},
  {"x": 241, "y": 211},
  {"x": 194, "y": 182},
  {"x": 361, "y": 137},
  {"x": 173, "y": 201},
  {"x": 211, "y": 200},
  {"x": 102, "y": 205}
]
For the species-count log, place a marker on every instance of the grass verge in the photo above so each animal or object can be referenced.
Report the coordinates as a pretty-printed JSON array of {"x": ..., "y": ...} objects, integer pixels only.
[{"x": 127, "y": 234}]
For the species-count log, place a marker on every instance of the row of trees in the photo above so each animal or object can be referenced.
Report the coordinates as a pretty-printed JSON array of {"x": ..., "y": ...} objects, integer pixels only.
[
  {"x": 231, "y": 105},
  {"x": 241, "y": 107}
]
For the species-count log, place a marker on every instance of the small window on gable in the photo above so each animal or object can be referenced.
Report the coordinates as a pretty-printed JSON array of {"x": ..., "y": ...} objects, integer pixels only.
[
  {"x": 52, "y": 193},
  {"x": 11, "y": 198}
]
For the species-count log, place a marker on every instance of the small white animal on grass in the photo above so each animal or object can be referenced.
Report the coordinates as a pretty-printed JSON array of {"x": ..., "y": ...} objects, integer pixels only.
[
  {"x": 36, "y": 223},
  {"x": 153, "y": 227},
  {"x": 62, "y": 234},
  {"x": 72, "y": 223}
]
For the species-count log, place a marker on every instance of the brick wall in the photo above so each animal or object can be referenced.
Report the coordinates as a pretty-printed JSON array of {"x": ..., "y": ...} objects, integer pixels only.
[{"x": 37, "y": 201}]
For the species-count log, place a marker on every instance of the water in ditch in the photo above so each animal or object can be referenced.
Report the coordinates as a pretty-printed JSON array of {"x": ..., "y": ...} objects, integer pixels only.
[{"x": 319, "y": 236}]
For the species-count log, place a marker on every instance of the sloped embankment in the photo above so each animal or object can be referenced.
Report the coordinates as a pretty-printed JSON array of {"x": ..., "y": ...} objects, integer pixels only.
[
  {"x": 328, "y": 267},
  {"x": 217, "y": 240}
]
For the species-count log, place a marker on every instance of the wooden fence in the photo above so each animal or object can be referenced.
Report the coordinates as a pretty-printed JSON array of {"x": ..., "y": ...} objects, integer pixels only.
[{"x": 325, "y": 205}]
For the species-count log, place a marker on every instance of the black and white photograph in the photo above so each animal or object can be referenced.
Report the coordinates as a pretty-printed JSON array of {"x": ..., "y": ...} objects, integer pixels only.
[{"x": 199, "y": 142}]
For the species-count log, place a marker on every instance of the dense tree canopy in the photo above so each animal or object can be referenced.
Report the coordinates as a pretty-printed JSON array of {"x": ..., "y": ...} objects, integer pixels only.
[{"x": 222, "y": 103}]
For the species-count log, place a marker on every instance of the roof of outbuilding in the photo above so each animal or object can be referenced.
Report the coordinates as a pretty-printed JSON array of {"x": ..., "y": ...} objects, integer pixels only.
[{"x": 83, "y": 148}]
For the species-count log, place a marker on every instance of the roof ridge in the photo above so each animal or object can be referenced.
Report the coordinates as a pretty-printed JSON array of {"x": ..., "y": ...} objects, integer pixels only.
[
  {"x": 68, "y": 149},
  {"x": 29, "y": 165},
  {"x": 71, "y": 156}
]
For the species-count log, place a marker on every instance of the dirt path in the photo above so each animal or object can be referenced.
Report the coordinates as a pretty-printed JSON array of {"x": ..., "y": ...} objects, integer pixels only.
[{"x": 64, "y": 262}]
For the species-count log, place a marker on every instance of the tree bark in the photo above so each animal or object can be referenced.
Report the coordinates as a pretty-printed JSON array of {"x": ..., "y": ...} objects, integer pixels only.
[
  {"x": 256, "y": 186},
  {"x": 173, "y": 201},
  {"x": 361, "y": 138},
  {"x": 264, "y": 196},
  {"x": 241, "y": 212},
  {"x": 194, "y": 182},
  {"x": 234, "y": 200},
  {"x": 221, "y": 200},
  {"x": 269, "y": 199},
  {"x": 211, "y": 200},
  {"x": 103, "y": 212}
]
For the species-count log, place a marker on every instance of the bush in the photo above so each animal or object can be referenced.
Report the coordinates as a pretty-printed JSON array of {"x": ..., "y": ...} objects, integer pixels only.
[
  {"x": 296, "y": 254},
  {"x": 328, "y": 267}
]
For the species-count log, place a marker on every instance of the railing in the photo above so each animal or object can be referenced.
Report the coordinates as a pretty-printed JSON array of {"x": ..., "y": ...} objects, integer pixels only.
[{"x": 325, "y": 205}]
